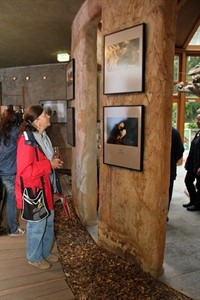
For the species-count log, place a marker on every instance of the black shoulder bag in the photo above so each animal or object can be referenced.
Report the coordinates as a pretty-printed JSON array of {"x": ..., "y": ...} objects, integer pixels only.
[{"x": 34, "y": 203}]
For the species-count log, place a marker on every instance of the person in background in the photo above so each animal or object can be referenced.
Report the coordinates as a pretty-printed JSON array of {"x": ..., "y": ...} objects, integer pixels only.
[
  {"x": 2, "y": 202},
  {"x": 177, "y": 150},
  {"x": 40, "y": 235},
  {"x": 8, "y": 149},
  {"x": 192, "y": 166}
]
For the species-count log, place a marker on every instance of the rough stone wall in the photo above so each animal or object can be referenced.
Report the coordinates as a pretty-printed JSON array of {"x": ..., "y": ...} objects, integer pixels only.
[
  {"x": 84, "y": 155},
  {"x": 25, "y": 92},
  {"x": 35, "y": 89},
  {"x": 133, "y": 209},
  {"x": 133, "y": 205}
]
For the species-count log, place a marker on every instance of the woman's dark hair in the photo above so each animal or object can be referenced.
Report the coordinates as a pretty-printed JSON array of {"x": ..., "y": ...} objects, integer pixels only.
[
  {"x": 8, "y": 120},
  {"x": 31, "y": 114}
]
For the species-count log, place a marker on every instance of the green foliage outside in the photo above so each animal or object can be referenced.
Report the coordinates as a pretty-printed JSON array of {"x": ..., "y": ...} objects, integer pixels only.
[
  {"x": 192, "y": 61},
  {"x": 176, "y": 67},
  {"x": 190, "y": 114},
  {"x": 174, "y": 115},
  {"x": 190, "y": 107}
]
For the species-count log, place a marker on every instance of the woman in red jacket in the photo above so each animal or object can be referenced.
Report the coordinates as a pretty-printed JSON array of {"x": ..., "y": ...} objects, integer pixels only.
[{"x": 40, "y": 235}]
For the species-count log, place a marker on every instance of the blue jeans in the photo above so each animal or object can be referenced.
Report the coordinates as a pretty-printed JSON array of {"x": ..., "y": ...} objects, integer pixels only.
[
  {"x": 39, "y": 238},
  {"x": 11, "y": 208}
]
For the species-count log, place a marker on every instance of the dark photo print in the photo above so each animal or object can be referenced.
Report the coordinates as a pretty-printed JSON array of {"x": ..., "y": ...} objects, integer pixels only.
[{"x": 122, "y": 131}]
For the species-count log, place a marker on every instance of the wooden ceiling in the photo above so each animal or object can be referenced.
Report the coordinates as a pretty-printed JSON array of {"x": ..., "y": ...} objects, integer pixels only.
[
  {"x": 188, "y": 20},
  {"x": 33, "y": 32}
]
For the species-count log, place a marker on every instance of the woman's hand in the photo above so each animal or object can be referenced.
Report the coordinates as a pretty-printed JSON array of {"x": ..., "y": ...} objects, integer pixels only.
[{"x": 56, "y": 163}]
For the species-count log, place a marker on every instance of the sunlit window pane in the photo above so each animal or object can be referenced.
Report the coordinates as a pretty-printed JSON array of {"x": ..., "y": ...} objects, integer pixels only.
[
  {"x": 195, "y": 41},
  {"x": 174, "y": 115},
  {"x": 192, "y": 61},
  {"x": 176, "y": 67}
]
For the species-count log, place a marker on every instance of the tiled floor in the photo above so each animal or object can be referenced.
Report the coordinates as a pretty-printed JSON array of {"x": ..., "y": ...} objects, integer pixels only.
[{"x": 182, "y": 254}]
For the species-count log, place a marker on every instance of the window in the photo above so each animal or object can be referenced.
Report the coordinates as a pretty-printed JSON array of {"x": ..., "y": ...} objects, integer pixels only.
[
  {"x": 196, "y": 38},
  {"x": 176, "y": 73},
  {"x": 192, "y": 61}
]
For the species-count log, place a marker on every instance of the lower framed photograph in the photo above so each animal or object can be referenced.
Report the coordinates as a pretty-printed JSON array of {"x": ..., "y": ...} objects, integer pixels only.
[
  {"x": 123, "y": 136},
  {"x": 71, "y": 126}
]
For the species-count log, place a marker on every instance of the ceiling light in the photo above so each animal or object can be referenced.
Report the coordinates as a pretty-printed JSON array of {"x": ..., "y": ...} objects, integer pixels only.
[{"x": 61, "y": 57}]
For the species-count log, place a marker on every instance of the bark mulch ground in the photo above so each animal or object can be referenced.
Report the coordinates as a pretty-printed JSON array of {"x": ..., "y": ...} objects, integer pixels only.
[{"x": 93, "y": 273}]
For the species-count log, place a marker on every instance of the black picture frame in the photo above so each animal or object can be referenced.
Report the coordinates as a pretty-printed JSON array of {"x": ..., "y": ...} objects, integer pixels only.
[
  {"x": 124, "y": 61},
  {"x": 70, "y": 79},
  {"x": 123, "y": 136},
  {"x": 57, "y": 109},
  {"x": 71, "y": 126}
]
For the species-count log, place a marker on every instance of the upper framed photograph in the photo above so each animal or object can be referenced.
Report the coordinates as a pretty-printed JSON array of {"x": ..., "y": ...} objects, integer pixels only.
[
  {"x": 70, "y": 79},
  {"x": 56, "y": 109},
  {"x": 123, "y": 136},
  {"x": 124, "y": 61}
]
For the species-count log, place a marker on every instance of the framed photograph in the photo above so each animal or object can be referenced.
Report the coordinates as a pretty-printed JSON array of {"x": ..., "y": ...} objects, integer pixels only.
[
  {"x": 70, "y": 79},
  {"x": 124, "y": 61},
  {"x": 123, "y": 136},
  {"x": 57, "y": 109},
  {"x": 71, "y": 126}
]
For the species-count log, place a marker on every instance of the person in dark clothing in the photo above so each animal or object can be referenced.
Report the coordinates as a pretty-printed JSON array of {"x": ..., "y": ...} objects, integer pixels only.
[
  {"x": 8, "y": 150},
  {"x": 2, "y": 202},
  {"x": 192, "y": 166},
  {"x": 177, "y": 150}
]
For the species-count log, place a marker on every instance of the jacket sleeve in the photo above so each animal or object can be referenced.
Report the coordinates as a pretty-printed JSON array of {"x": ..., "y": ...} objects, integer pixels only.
[{"x": 177, "y": 145}]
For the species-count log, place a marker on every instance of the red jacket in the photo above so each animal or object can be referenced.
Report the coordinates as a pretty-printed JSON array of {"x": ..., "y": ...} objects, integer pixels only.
[{"x": 31, "y": 170}]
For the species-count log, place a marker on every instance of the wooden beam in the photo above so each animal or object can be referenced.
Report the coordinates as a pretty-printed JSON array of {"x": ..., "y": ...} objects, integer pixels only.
[
  {"x": 180, "y": 4},
  {"x": 191, "y": 34}
]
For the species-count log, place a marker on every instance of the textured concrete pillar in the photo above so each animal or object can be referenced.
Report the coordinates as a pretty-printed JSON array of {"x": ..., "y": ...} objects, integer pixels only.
[
  {"x": 84, "y": 156},
  {"x": 133, "y": 205}
]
